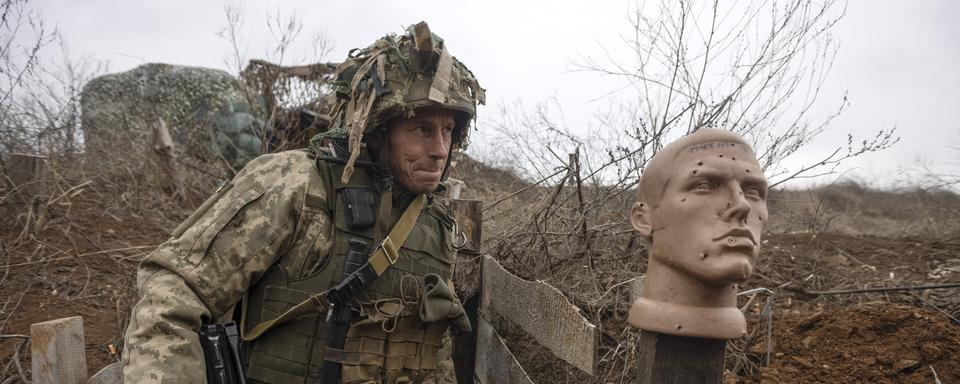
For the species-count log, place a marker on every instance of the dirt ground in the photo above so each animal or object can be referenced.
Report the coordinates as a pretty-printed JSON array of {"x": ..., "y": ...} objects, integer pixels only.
[
  {"x": 887, "y": 337},
  {"x": 875, "y": 342},
  {"x": 869, "y": 338},
  {"x": 82, "y": 264}
]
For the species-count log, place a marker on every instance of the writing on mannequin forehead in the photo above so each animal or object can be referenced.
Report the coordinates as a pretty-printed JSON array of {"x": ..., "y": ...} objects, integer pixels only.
[{"x": 718, "y": 145}]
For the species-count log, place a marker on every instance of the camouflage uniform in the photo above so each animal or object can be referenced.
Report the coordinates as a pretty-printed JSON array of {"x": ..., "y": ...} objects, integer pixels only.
[
  {"x": 210, "y": 260},
  {"x": 276, "y": 224}
]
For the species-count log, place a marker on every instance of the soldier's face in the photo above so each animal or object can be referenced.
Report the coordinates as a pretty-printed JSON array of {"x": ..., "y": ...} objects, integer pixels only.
[
  {"x": 711, "y": 213},
  {"x": 418, "y": 148}
]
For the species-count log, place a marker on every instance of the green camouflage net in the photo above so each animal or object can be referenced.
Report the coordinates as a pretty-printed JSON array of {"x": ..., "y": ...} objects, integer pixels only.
[
  {"x": 203, "y": 109},
  {"x": 207, "y": 112}
]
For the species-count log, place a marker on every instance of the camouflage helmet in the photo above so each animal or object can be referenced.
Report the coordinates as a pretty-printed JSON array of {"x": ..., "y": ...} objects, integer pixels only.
[{"x": 393, "y": 77}]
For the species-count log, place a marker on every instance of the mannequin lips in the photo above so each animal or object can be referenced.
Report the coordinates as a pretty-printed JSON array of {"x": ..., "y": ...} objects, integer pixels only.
[{"x": 738, "y": 232}]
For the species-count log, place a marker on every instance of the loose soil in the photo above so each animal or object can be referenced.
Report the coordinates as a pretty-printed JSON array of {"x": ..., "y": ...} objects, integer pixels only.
[{"x": 875, "y": 342}]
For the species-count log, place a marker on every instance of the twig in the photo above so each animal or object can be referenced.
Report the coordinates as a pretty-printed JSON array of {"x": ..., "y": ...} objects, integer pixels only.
[
  {"x": 936, "y": 379},
  {"x": 85, "y": 254},
  {"x": 945, "y": 313},
  {"x": 493, "y": 204},
  {"x": 15, "y": 360},
  {"x": 68, "y": 192},
  {"x": 15, "y": 307},
  {"x": 878, "y": 289}
]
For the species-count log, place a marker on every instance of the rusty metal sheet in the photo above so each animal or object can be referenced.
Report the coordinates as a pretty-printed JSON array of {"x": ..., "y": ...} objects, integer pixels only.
[
  {"x": 495, "y": 363},
  {"x": 542, "y": 312}
]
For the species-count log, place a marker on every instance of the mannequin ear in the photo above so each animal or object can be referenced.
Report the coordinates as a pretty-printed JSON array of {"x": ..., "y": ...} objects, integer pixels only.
[{"x": 640, "y": 218}]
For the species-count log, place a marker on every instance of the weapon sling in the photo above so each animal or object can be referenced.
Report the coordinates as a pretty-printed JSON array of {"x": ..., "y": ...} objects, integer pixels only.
[{"x": 385, "y": 255}]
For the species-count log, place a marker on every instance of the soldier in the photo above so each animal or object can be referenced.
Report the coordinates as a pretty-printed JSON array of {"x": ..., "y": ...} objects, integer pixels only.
[{"x": 279, "y": 233}]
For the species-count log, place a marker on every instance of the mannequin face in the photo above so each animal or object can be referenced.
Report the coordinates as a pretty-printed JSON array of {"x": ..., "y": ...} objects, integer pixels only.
[{"x": 710, "y": 215}]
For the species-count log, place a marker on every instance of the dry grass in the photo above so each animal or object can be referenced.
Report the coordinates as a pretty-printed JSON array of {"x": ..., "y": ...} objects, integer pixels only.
[
  {"x": 577, "y": 238},
  {"x": 574, "y": 236},
  {"x": 851, "y": 208}
]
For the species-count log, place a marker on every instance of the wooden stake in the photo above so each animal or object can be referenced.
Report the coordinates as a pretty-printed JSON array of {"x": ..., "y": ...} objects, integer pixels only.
[
  {"x": 57, "y": 352},
  {"x": 466, "y": 277},
  {"x": 26, "y": 179},
  {"x": 669, "y": 359},
  {"x": 163, "y": 149}
]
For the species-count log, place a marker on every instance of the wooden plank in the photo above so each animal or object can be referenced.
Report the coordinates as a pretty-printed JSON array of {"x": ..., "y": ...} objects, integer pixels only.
[
  {"x": 466, "y": 275},
  {"x": 669, "y": 359},
  {"x": 466, "y": 279},
  {"x": 495, "y": 363},
  {"x": 542, "y": 312},
  {"x": 27, "y": 183},
  {"x": 28, "y": 175},
  {"x": 164, "y": 151},
  {"x": 57, "y": 351}
]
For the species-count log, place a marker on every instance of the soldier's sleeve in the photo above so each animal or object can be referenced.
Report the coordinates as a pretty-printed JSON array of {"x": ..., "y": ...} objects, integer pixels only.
[{"x": 202, "y": 271}]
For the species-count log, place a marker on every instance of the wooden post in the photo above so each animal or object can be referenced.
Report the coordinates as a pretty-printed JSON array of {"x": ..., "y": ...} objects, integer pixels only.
[
  {"x": 27, "y": 181},
  {"x": 164, "y": 151},
  {"x": 669, "y": 359},
  {"x": 466, "y": 279},
  {"x": 57, "y": 352}
]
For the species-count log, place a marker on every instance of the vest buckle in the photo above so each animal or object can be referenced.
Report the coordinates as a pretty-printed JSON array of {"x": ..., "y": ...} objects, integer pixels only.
[{"x": 318, "y": 302}]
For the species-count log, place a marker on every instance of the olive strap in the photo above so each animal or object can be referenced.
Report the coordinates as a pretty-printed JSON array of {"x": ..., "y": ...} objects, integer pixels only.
[{"x": 385, "y": 255}]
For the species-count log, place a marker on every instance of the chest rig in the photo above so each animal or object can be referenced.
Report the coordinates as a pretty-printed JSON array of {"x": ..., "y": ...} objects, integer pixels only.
[{"x": 388, "y": 341}]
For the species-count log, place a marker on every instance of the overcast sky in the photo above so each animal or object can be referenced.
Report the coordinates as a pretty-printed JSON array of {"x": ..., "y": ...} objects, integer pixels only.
[{"x": 898, "y": 60}]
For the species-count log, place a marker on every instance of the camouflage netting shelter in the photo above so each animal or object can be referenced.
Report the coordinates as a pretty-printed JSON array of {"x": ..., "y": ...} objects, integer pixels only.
[{"x": 205, "y": 111}]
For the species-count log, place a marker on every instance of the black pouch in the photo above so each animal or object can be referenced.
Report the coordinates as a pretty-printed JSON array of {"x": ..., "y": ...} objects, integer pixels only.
[{"x": 360, "y": 206}]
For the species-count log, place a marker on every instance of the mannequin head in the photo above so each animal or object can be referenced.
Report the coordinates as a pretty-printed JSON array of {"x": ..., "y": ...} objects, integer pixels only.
[{"x": 701, "y": 205}]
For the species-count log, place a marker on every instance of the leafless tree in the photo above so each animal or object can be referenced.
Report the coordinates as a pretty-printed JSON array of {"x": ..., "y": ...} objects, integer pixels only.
[
  {"x": 755, "y": 68},
  {"x": 281, "y": 79},
  {"x": 23, "y": 35}
]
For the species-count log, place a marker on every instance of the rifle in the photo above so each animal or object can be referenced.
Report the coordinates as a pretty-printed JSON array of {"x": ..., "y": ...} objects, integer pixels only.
[
  {"x": 221, "y": 353},
  {"x": 342, "y": 310}
]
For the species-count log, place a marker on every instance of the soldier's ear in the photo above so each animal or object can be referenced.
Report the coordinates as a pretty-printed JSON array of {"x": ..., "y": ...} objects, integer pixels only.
[
  {"x": 640, "y": 218},
  {"x": 375, "y": 139}
]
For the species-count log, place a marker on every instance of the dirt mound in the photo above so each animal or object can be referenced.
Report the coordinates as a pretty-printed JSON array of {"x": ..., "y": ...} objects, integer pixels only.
[{"x": 870, "y": 343}]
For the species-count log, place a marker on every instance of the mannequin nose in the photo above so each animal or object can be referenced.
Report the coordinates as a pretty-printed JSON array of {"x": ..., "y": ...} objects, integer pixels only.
[{"x": 738, "y": 208}]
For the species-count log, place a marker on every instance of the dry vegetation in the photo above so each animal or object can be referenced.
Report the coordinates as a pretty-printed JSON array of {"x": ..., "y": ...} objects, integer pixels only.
[
  {"x": 578, "y": 239},
  {"x": 78, "y": 256},
  {"x": 73, "y": 250}
]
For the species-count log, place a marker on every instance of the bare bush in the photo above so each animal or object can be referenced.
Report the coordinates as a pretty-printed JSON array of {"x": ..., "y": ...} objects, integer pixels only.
[{"x": 756, "y": 69}]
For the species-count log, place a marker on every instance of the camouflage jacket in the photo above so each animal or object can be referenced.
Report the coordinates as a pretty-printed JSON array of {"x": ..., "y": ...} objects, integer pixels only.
[{"x": 211, "y": 259}]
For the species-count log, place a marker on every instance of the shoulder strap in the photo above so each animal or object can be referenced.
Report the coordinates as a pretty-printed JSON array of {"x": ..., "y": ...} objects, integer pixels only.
[{"x": 383, "y": 257}]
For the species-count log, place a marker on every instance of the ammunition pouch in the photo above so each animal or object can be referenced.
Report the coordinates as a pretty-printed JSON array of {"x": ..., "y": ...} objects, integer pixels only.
[{"x": 441, "y": 303}]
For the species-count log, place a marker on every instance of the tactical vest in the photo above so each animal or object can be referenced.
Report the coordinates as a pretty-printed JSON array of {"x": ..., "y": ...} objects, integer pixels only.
[{"x": 388, "y": 342}]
